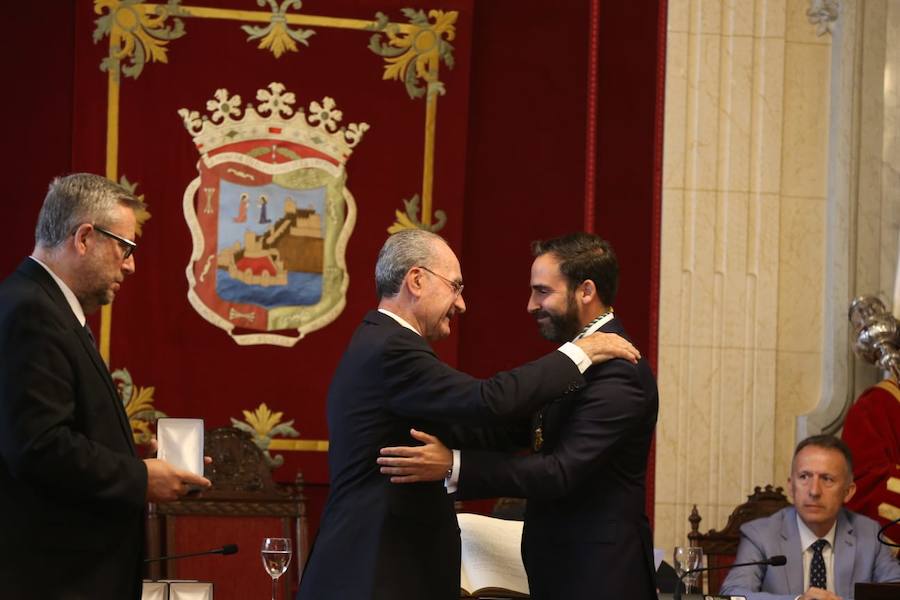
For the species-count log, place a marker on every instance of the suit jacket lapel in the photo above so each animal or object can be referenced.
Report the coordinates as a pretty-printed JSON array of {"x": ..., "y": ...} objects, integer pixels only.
[
  {"x": 101, "y": 367},
  {"x": 39, "y": 275},
  {"x": 844, "y": 555},
  {"x": 790, "y": 547}
]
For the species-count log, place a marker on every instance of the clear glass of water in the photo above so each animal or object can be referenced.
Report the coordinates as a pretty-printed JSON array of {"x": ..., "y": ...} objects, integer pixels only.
[
  {"x": 276, "y": 556},
  {"x": 687, "y": 558}
]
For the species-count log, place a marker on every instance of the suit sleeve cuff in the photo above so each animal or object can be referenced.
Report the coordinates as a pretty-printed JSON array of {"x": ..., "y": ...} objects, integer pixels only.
[
  {"x": 578, "y": 356},
  {"x": 451, "y": 482}
]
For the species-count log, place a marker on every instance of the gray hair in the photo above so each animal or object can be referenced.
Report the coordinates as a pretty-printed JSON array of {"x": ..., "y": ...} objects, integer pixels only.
[
  {"x": 827, "y": 442},
  {"x": 401, "y": 252},
  {"x": 75, "y": 199}
]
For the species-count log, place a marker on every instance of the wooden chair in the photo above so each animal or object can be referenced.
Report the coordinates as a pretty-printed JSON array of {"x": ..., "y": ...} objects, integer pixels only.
[
  {"x": 720, "y": 547},
  {"x": 244, "y": 506}
]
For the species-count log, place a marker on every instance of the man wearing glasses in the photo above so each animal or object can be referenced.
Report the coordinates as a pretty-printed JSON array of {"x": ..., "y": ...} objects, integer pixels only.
[
  {"x": 379, "y": 540},
  {"x": 72, "y": 488}
]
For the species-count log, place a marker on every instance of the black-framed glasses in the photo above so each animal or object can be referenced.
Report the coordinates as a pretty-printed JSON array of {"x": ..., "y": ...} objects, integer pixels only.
[
  {"x": 128, "y": 247},
  {"x": 456, "y": 286}
]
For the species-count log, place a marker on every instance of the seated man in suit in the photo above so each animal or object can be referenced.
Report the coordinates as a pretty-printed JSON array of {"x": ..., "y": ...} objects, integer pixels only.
[{"x": 828, "y": 547}]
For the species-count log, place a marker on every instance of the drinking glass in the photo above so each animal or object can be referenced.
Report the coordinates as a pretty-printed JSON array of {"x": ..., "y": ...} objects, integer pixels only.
[
  {"x": 687, "y": 558},
  {"x": 276, "y": 556}
]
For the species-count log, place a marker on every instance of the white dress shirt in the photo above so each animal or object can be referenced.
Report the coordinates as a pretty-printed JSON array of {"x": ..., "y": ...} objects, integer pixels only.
[
  {"x": 807, "y": 539},
  {"x": 74, "y": 304}
]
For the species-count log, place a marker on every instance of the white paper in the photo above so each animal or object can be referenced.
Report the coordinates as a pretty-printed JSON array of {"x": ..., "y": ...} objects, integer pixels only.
[
  {"x": 191, "y": 591},
  {"x": 181, "y": 443},
  {"x": 155, "y": 590},
  {"x": 491, "y": 553}
]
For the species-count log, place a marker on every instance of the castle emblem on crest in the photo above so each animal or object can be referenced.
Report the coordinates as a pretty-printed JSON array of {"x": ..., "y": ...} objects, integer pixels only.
[{"x": 270, "y": 215}]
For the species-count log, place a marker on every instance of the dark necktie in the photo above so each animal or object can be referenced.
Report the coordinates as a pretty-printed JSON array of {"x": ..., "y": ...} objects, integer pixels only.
[
  {"x": 817, "y": 576},
  {"x": 90, "y": 334}
]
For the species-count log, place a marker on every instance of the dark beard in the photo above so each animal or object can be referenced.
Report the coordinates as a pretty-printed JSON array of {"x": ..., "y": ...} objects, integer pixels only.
[{"x": 560, "y": 328}]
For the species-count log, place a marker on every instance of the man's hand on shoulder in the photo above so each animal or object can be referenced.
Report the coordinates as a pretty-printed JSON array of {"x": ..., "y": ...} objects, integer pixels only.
[
  {"x": 165, "y": 483},
  {"x": 601, "y": 347},
  {"x": 815, "y": 593}
]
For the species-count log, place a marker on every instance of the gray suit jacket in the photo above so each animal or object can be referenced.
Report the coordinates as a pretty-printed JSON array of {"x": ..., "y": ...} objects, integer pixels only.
[{"x": 858, "y": 557}]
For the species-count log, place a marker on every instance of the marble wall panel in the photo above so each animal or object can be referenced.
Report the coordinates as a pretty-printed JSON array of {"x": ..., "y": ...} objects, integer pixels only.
[
  {"x": 700, "y": 220},
  {"x": 702, "y": 134},
  {"x": 735, "y": 112},
  {"x": 798, "y": 388},
  {"x": 742, "y": 244},
  {"x": 734, "y": 390},
  {"x": 769, "y": 18},
  {"x": 759, "y": 454},
  {"x": 805, "y": 131},
  {"x": 679, "y": 20},
  {"x": 801, "y": 267},
  {"x": 733, "y": 301},
  {"x": 767, "y": 115},
  {"x": 760, "y": 230},
  {"x": 675, "y": 125},
  {"x": 705, "y": 16},
  {"x": 671, "y": 374},
  {"x": 763, "y": 256},
  {"x": 671, "y": 269},
  {"x": 738, "y": 18},
  {"x": 664, "y": 521}
]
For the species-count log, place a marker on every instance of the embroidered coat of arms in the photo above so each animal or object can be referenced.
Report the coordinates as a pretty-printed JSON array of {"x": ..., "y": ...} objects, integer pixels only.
[{"x": 270, "y": 215}]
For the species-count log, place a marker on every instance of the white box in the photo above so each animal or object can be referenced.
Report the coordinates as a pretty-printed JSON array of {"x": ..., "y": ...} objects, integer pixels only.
[{"x": 181, "y": 443}]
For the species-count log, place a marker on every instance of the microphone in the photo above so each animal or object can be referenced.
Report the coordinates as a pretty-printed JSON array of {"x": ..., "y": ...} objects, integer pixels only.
[
  {"x": 778, "y": 560},
  {"x": 224, "y": 550},
  {"x": 883, "y": 538}
]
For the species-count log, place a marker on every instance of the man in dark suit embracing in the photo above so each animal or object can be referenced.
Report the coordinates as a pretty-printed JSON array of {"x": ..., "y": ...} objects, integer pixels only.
[
  {"x": 586, "y": 536},
  {"x": 72, "y": 488},
  {"x": 379, "y": 540}
]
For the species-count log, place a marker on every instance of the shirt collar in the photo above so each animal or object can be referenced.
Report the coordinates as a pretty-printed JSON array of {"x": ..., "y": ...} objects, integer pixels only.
[
  {"x": 74, "y": 304},
  {"x": 807, "y": 537},
  {"x": 400, "y": 320}
]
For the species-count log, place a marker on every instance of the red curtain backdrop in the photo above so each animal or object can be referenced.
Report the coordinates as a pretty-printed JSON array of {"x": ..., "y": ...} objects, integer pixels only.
[{"x": 510, "y": 168}]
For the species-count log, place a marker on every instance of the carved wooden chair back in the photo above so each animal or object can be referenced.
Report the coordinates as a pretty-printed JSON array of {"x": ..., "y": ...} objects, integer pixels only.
[{"x": 720, "y": 547}]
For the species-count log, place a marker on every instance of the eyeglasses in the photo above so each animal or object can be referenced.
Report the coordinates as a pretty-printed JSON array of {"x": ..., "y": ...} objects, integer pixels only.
[
  {"x": 128, "y": 247},
  {"x": 456, "y": 286}
]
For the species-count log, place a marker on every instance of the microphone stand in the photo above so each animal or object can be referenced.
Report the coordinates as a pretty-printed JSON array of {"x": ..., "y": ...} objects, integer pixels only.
[
  {"x": 883, "y": 538},
  {"x": 774, "y": 561},
  {"x": 224, "y": 550}
]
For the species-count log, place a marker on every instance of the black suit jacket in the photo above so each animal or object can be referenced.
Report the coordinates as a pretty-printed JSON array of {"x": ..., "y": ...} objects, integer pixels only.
[
  {"x": 586, "y": 534},
  {"x": 72, "y": 489},
  {"x": 383, "y": 540}
]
